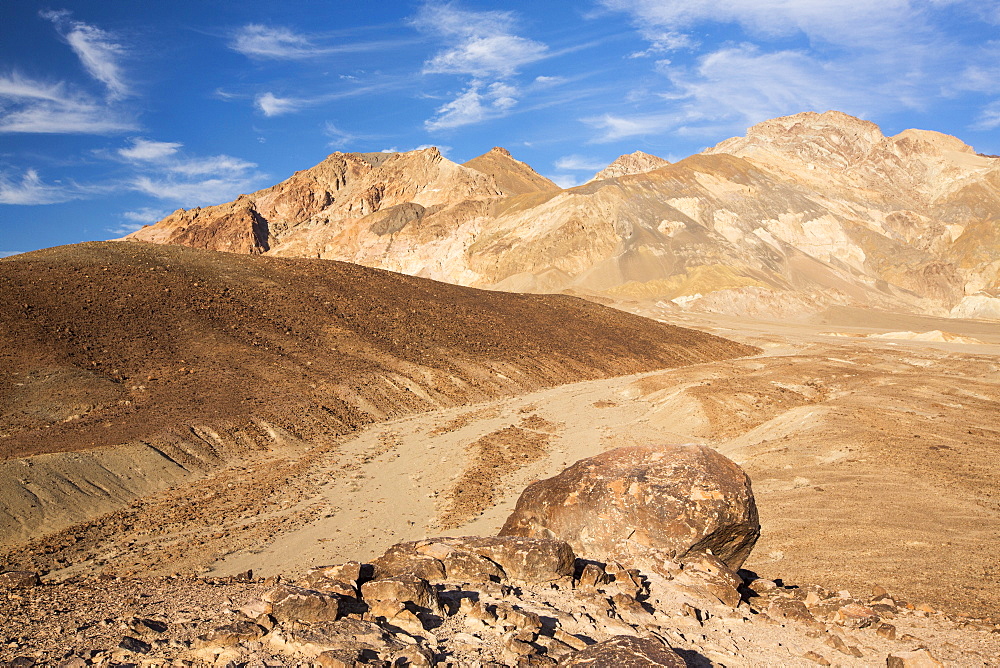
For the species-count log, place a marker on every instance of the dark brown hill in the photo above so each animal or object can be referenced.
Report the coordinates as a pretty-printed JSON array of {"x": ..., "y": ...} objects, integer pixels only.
[{"x": 110, "y": 343}]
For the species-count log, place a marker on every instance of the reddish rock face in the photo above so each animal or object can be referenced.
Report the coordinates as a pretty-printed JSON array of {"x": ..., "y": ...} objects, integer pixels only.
[{"x": 644, "y": 503}]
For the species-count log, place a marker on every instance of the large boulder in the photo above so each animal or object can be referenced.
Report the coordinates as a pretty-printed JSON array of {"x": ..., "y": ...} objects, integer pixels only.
[{"x": 644, "y": 503}]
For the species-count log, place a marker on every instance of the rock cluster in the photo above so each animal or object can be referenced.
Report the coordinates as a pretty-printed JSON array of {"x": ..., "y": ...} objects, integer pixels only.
[{"x": 531, "y": 601}]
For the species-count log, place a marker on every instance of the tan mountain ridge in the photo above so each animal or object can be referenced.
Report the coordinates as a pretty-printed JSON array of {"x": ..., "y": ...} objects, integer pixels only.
[{"x": 805, "y": 212}]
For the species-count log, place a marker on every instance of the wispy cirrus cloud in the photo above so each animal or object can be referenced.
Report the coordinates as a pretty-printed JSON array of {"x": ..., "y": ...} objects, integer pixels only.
[
  {"x": 166, "y": 173},
  {"x": 579, "y": 163},
  {"x": 855, "y": 55},
  {"x": 477, "y": 103},
  {"x": 272, "y": 105},
  {"x": 259, "y": 41},
  {"x": 30, "y": 105},
  {"x": 989, "y": 117},
  {"x": 98, "y": 50},
  {"x": 29, "y": 189},
  {"x": 145, "y": 149},
  {"x": 42, "y": 107},
  {"x": 262, "y": 42}
]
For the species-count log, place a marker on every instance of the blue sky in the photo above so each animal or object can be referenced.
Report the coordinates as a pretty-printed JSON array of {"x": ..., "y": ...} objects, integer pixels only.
[{"x": 113, "y": 114}]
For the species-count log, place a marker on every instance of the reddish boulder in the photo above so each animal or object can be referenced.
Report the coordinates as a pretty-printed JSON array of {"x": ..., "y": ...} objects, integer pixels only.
[{"x": 636, "y": 503}]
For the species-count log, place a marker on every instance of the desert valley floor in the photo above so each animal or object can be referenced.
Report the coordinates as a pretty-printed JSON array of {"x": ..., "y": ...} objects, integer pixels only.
[{"x": 872, "y": 459}]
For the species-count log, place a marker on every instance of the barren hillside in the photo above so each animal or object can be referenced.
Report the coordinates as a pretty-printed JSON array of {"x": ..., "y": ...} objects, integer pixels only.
[{"x": 188, "y": 358}]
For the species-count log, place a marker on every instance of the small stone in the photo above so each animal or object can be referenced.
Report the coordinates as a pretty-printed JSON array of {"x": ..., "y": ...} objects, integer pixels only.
[
  {"x": 855, "y": 615},
  {"x": 788, "y": 609},
  {"x": 135, "y": 645},
  {"x": 920, "y": 658},
  {"x": 148, "y": 627},
  {"x": 338, "y": 658},
  {"x": 592, "y": 576},
  {"x": 887, "y": 631},
  {"x": 415, "y": 655},
  {"x": 631, "y": 610},
  {"x": 816, "y": 658}
]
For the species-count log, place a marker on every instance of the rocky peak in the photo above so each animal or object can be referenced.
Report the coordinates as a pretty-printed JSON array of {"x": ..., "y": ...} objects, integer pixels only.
[
  {"x": 632, "y": 163},
  {"x": 512, "y": 176}
]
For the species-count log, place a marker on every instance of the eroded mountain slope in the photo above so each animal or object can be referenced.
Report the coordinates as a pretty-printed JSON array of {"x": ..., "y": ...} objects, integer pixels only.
[{"x": 811, "y": 210}]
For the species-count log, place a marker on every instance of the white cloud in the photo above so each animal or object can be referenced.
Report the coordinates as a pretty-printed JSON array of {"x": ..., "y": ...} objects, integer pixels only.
[
  {"x": 475, "y": 104},
  {"x": 615, "y": 127},
  {"x": 30, "y": 190},
  {"x": 565, "y": 180},
  {"x": 138, "y": 218},
  {"x": 216, "y": 164},
  {"x": 165, "y": 173},
  {"x": 482, "y": 43},
  {"x": 97, "y": 50},
  {"x": 273, "y": 105},
  {"x": 989, "y": 117},
  {"x": 846, "y": 22},
  {"x": 750, "y": 85},
  {"x": 43, "y": 107},
  {"x": 196, "y": 193},
  {"x": 260, "y": 41},
  {"x": 578, "y": 162},
  {"x": 9, "y": 253},
  {"x": 146, "y": 150},
  {"x": 663, "y": 41},
  {"x": 145, "y": 216},
  {"x": 482, "y": 47},
  {"x": 737, "y": 86},
  {"x": 493, "y": 55}
]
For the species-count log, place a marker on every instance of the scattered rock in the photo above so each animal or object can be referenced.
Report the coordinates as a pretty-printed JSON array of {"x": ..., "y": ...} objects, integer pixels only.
[
  {"x": 235, "y": 633},
  {"x": 135, "y": 645},
  {"x": 643, "y": 503},
  {"x": 919, "y": 658},
  {"x": 387, "y": 596},
  {"x": 290, "y": 603}
]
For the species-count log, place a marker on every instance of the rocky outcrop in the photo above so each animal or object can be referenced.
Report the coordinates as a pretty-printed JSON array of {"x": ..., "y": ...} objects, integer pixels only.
[
  {"x": 632, "y": 163},
  {"x": 643, "y": 505}
]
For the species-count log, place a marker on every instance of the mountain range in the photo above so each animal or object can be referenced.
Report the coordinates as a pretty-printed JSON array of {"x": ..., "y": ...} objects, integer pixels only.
[{"x": 803, "y": 213}]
